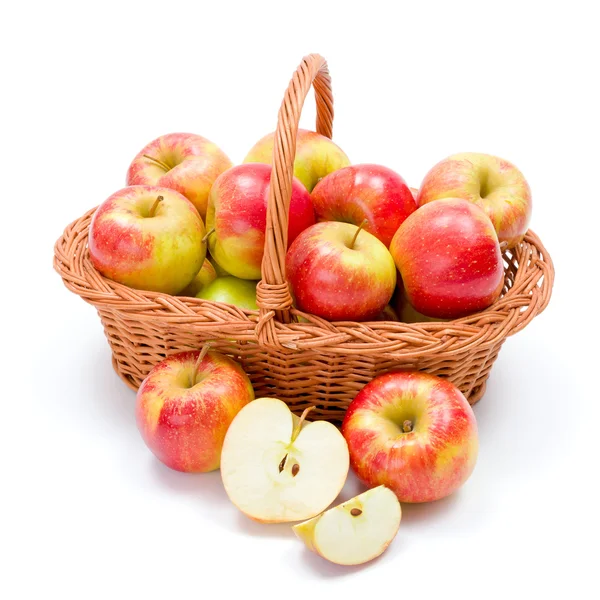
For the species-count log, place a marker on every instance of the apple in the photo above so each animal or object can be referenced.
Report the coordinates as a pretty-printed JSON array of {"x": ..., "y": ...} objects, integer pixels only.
[
  {"x": 356, "y": 531},
  {"x": 185, "y": 162},
  {"x": 185, "y": 405},
  {"x": 316, "y": 156},
  {"x": 406, "y": 312},
  {"x": 365, "y": 192},
  {"x": 149, "y": 238},
  {"x": 276, "y": 468},
  {"x": 206, "y": 274},
  {"x": 237, "y": 215},
  {"x": 449, "y": 257},
  {"x": 412, "y": 432},
  {"x": 231, "y": 290},
  {"x": 339, "y": 272},
  {"x": 387, "y": 314},
  {"x": 219, "y": 270},
  {"x": 492, "y": 183}
]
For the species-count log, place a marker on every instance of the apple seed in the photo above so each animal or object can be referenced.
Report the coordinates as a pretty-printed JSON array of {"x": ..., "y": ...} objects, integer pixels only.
[
  {"x": 282, "y": 463},
  {"x": 295, "y": 470},
  {"x": 355, "y": 512}
]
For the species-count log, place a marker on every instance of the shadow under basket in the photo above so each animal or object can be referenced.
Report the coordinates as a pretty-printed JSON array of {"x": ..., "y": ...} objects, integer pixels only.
[{"x": 313, "y": 362}]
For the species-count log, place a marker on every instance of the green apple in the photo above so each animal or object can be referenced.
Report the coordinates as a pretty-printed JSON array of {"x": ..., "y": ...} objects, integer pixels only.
[
  {"x": 231, "y": 290},
  {"x": 206, "y": 274}
]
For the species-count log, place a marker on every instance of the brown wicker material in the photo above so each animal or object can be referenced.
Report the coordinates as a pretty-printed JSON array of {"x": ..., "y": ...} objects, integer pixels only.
[{"x": 303, "y": 363}]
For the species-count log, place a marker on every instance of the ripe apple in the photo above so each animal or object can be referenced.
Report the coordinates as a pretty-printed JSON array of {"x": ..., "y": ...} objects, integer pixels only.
[
  {"x": 237, "y": 214},
  {"x": 406, "y": 312},
  {"x": 316, "y": 156},
  {"x": 185, "y": 405},
  {"x": 412, "y": 432},
  {"x": 356, "y": 531},
  {"x": 492, "y": 183},
  {"x": 449, "y": 257},
  {"x": 276, "y": 468},
  {"x": 365, "y": 192},
  {"x": 149, "y": 238},
  {"x": 184, "y": 162},
  {"x": 231, "y": 290},
  {"x": 205, "y": 275},
  {"x": 339, "y": 272}
]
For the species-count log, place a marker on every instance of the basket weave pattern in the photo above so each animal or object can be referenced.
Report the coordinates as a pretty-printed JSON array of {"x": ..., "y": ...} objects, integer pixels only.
[{"x": 303, "y": 363}]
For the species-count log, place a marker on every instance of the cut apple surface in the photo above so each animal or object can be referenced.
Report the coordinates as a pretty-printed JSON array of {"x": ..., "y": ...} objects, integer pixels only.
[
  {"x": 356, "y": 531},
  {"x": 277, "y": 468}
]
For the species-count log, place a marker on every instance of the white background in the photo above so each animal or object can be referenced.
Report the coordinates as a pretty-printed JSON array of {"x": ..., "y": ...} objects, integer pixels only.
[{"x": 86, "y": 511}]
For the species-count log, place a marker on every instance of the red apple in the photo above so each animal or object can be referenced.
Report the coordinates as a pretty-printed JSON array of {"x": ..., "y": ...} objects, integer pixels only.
[
  {"x": 185, "y": 405},
  {"x": 412, "y": 432},
  {"x": 365, "y": 192},
  {"x": 449, "y": 257},
  {"x": 185, "y": 162},
  {"x": 237, "y": 214},
  {"x": 149, "y": 238},
  {"x": 492, "y": 183},
  {"x": 340, "y": 273}
]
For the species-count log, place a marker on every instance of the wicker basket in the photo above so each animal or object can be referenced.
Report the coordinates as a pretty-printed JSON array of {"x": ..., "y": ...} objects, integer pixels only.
[{"x": 313, "y": 362}]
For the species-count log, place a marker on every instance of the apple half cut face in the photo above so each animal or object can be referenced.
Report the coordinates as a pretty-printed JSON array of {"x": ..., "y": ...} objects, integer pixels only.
[
  {"x": 356, "y": 531},
  {"x": 277, "y": 468}
]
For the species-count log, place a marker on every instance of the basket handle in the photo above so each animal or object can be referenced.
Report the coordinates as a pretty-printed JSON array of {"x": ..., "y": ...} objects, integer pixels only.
[{"x": 273, "y": 293}]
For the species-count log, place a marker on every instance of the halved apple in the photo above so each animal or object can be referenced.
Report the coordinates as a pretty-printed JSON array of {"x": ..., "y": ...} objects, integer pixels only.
[
  {"x": 277, "y": 468},
  {"x": 356, "y": 531}
]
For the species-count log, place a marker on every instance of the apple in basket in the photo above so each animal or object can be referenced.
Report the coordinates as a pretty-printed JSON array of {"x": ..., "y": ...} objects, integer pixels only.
[
  {"x": 365, "y": 192},
  {"x": 237, "y": 214},
  {"x": 149, "y": 238},
  {"x": 206, "y": 275},
  {"x": 492, "y": 183},
  {"x": 340, "y": 272},
  {"x": 231, "y": 290},
  {"x": 185, "y": 405},
  {"x": 316, "y": 156},
  {"x": 185, "y": 162},
  {"x": 412, "y": 432},
  {"x": 449, "y": 257}
]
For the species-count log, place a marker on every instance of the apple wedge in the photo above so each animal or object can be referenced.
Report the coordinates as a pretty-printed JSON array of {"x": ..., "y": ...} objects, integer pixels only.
[
  {"x": 356, "y": 531},
  {"x": 277, "y": 468}
]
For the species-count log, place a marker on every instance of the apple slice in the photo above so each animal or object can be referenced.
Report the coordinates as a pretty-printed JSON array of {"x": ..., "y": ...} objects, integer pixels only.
[
  {"x": 277, "y": 468},
  {"x": 356, "y": 531}
]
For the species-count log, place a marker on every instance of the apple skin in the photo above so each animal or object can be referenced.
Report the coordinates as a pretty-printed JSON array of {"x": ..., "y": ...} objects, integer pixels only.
[
  {"x": 185, "y": 426},
  {"x": 231, "y": 290},
  {"x": 506, "y": 197},
  {"x": 449, "y": 258},
  {"x": 206, "y": 275},
  {"x": 429, "y": 462},
  {"x": 405, "y": 311},
  {"x": 365, "y": 192},
  {"x": 161, "y": 254},
  {"x": 194, "y": 163},
  {"x": 237, "y": 211},
  {"x": 316, "y": 156},
  {"x": 333, "y": 281}
]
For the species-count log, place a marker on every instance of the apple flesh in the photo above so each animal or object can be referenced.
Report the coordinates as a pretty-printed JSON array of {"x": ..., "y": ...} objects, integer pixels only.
[
  {"x": 231, "y": 290},
  {"x": 237, "y": 216},
  {"x": 316, "y": 156},
  {"x": 491, "y": 183},
  {"x": 449, "y": 257},
  {"x": 365, "y": 192},
  {"x": 148, "y": 238},
  {"x": 186, "y": 404},
  {"x": 356, "y": 531},
  {"x": 278, "y": 469},
  {"x": 206, "y": 275},
  {"x": 340, "y": 273},
  {"x": 412, "y": 432},
  {"x": 185, "y": 162}
]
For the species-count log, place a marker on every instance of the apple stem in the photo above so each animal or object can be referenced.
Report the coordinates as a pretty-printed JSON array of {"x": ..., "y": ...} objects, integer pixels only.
[
  {"x": 153, "y": 208},
  {"x": 407, "y": 426},
  {"x": 300, "y": 423},
  {"x": 161, "y": 164},
  {"x": 208, "y": 234},
  {"x": 199, "y": 360},
  {"x": 357, "y": 232}
]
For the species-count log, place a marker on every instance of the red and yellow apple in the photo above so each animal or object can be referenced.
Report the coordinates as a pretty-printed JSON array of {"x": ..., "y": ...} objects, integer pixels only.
[
  {"x": 492, "y": 183},
  {"x": 412, "y": 432},
  {"x": 365, "y": 192},
  {"x": 316, "y": 156},
  {"x": 206, "y": 275},
  {"x": 449, "y": 257},
  {"x": 185, "y": 162},
  {"x": 339, "y": 272},
  {"x": 185, "y": 406},
  {"x": 148, "y": 238},
  {"x": 237, "y": 215},
  {"x": 231, "y": 290}
]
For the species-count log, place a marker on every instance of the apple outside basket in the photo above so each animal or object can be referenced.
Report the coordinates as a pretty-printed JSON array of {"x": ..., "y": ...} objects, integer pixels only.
[{"x": 313, "y": 362}]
